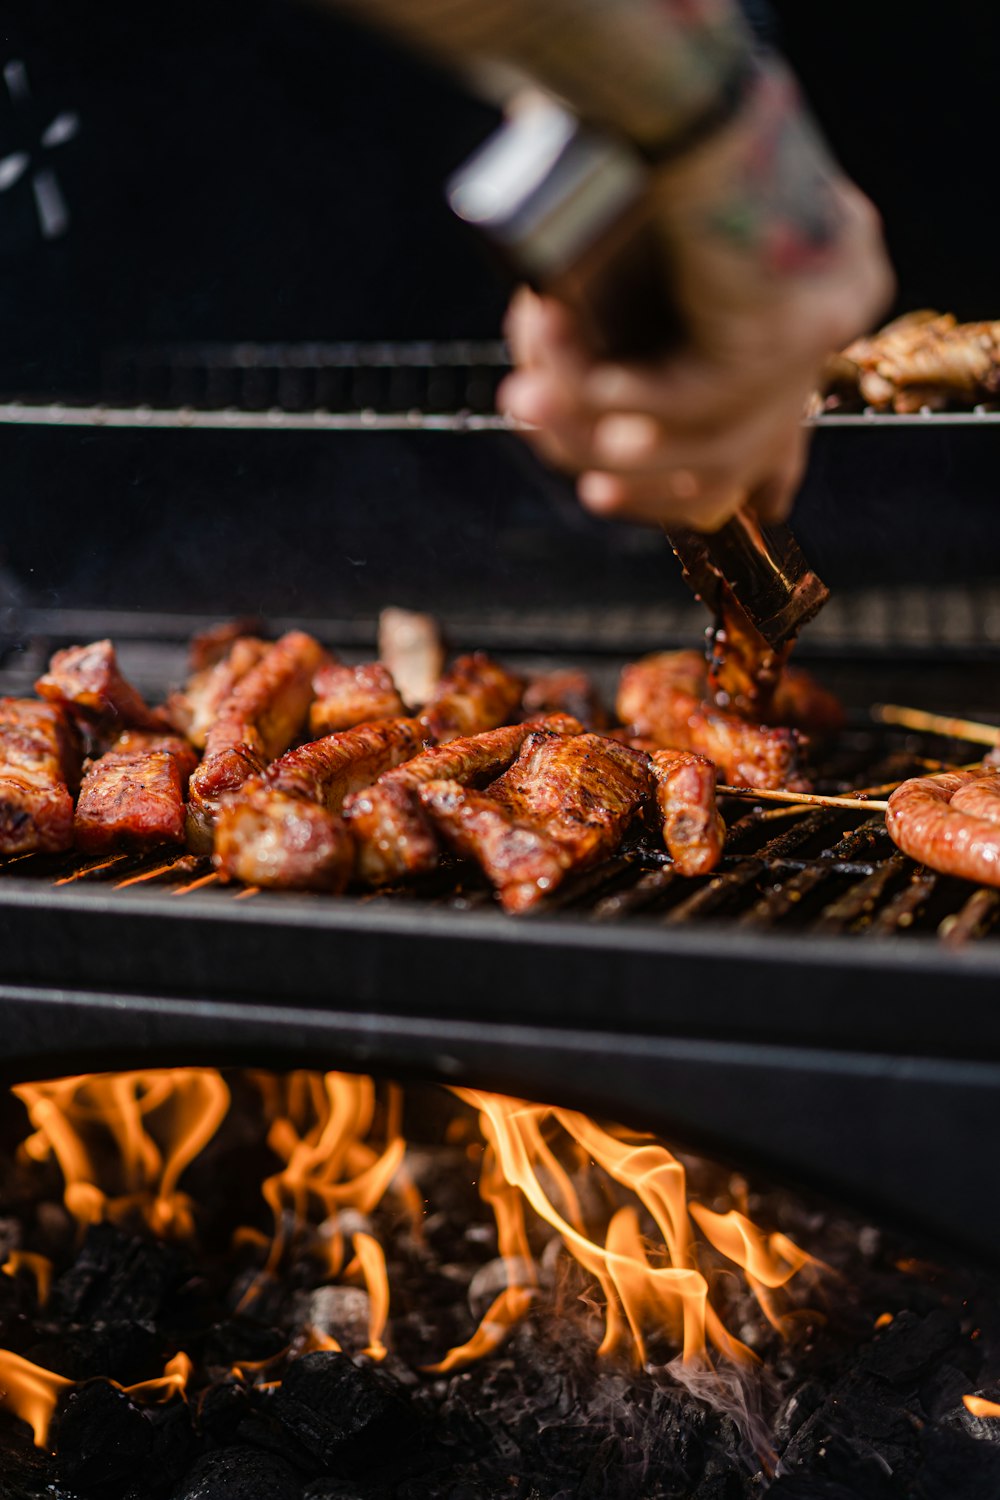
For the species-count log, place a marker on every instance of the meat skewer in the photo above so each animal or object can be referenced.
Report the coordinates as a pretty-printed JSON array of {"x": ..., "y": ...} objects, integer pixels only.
[
  {"x": 563, "y": 806},
  {"x": 261, "y": 717},
  {"x": 693, "y": 830},
  {"x": 662, "y": 697},
  {"x": 394, "y": 836},
  {"x": 134, "y": 795},
  {"x": 283, "y": 829},
  {"x": 346, "y": 696},
  {"x": 39, "y": 764},
  {"x": 88, "y": 681},
  {"x": 943, "y": 724},
  {"x": 927, "y": 823}
]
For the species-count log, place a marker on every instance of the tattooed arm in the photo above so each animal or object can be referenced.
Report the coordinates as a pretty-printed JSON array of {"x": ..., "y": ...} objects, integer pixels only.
[{"x": 774, "y": 258}]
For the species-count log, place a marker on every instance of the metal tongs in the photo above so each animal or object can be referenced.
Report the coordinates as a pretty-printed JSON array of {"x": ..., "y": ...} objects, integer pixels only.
[{"x": 568, "y": 207}]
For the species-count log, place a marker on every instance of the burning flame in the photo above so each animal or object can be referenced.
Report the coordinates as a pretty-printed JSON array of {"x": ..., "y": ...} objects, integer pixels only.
[
  {"x": 122, "y": 1115},
  {"x": 648, "y": 1287},
  {"x": 980, "y": 1407},
  {"x": 617, "y": 1201}
]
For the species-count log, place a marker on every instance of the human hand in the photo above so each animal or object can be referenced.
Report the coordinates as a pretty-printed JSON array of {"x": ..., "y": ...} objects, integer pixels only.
[{"x": 774, "y": 261}]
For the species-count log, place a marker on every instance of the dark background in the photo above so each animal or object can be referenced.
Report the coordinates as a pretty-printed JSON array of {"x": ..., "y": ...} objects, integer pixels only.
[{"x": 260, "y": 170}]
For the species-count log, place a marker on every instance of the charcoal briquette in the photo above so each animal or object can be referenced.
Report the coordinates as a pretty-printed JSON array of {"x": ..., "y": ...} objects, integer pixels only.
[
  {"x": 123, "y": 1351},
  {"x": 117, "y": 1277},
  {"x": 241, "y": 1338},
  {"x": 103, "y": 1441},
  {"x": 346, "y": 1417},
  {"x": 239, "y": 1473}
]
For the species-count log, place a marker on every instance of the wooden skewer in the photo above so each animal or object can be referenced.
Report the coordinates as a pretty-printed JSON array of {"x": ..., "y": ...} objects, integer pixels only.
[
  {"x": 806, "y": 799},
  {"x": 953, "y": 729}
]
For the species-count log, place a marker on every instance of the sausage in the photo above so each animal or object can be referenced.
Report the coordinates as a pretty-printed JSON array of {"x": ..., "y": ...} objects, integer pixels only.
[{"x": 925, "y": 822}]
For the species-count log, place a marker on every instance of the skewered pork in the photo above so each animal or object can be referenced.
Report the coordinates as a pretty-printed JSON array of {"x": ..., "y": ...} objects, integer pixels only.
[
  {"x": 950, "y": 822},
  {"x": 475, "y": 694},
  {"x": 134, "y": 795},
  {"x": 283, "y": 829},
  {"x": 259, "y": 720},
  {"x": 39, "y": 764},
  {"x": 692, "y": 827},
  {"x": 662, "y": 697},
  {"x": 411, "y": 647},
  {"x": 393, "y": 834},
  {"x": 89, "y": 682},
  {"x": 563, "y": 805},
  {"x": 197, "y": 708},
  {"x": 346, "y": 696}
]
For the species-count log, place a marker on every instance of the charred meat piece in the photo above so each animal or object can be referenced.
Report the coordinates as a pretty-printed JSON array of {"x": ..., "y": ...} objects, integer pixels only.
[
  {"x": 693, "y": 830},
  {"x": 88, "y": 680},
  {"x": 475, "y": 694},
  {"x": 393, "y": 834},
  {"x": 744, "y": 670},
  {"x": 39, "y": 764},
  {"x": 284, "y": 830},
  {"x": 260, "y": 718},
  {"x": 800, "y": 702},
  {"x": 346, "y": 696},
  {"x": 134, "y": 795},
  {"x": 563, "y": 806},
  {"x": 568, "y": 691},
  {"x": 411, "y": 647},
  {"x": 197, "y": 708},
  {"x": 662, "y": 698},
  {"x": 950, "y": 822}
]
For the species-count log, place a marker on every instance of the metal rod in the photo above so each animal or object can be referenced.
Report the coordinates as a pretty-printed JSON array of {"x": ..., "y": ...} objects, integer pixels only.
[
  {"x": 20, "y": 413},
  {"x": 954, "y": 729},
  {"x": 807, "y": 799}
]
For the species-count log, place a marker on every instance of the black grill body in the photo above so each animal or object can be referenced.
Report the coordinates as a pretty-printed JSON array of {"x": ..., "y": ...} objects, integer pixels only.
[{"x": 820, "y": 1009}]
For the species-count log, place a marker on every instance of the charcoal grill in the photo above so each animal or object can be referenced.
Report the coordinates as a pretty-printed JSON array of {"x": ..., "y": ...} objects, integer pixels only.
[{"x": 820, "y": 1009}]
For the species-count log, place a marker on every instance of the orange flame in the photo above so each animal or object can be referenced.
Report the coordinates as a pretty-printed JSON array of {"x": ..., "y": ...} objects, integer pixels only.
[
  {"x": 647, "y": 1287},
  {"x": 980, "y": 1407},
  {"x": 31, "y": 1393},
  {"x": 38, "y": 1266},
  {"x": 372, "y": 1263},
  {"x": 507, "y": 1310},
  {"x": 148, "y": 1126}
]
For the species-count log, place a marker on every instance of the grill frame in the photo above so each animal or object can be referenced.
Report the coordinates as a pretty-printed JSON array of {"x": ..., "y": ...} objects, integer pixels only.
[{"x": 832, "y": 1062}]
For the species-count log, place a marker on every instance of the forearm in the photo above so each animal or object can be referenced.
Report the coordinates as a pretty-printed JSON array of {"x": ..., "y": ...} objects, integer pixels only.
[{"x": 648, "y": 69}]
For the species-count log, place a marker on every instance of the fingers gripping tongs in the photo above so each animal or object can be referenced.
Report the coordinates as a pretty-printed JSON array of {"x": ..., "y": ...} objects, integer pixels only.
[{"x": 568, "y": 207}]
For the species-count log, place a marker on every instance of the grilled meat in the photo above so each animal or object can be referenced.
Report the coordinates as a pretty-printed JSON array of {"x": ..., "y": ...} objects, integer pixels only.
[
  {"x": 284, "y": 830},
  {"x": 475, "y": 694},
  {"x": 39, "y": 764},
  {"x": 662, "y": 697},
  {"x": 563, "y": 806},
  {"x": 921, "y": 359},
  {"x": 197, "y": 708},
  {"x": 213, "y": 645},
  {"x": 692, "y": 828},
  {"x": 260, "y": 718},
  {"x": 134, "y": 795},
  {"x": 346, "y": 696},
  {"x": 411, "y": 647},
  {"x": 744, "y": 670},
  {"x": 565, "y": 692},
  {"x": 950, "y": 822},
  {"x": 393, "y": 834},
  {"x": 88, "y": 681}
]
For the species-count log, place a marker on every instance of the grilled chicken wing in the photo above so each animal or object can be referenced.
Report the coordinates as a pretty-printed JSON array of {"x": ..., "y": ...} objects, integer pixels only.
[
  {"x": 197, "y": 708},
  {"x": 346, "y": 696},
  {"x": 692, "y": 828},
  {"x": 393, "y": 834},
  {"x": 260, "y": 718},
  {"x": 475, "y": 694},
  {"x": 663, "y": 698},
  {"x": 563, "y": 805},
  {"x": 134, "y": 795},
  {"x": 88, "y": 681},
  {"x": 411, "y": 647},
  {"x": 283, "y": 829},
  {"x": 39, "y": 764}
]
